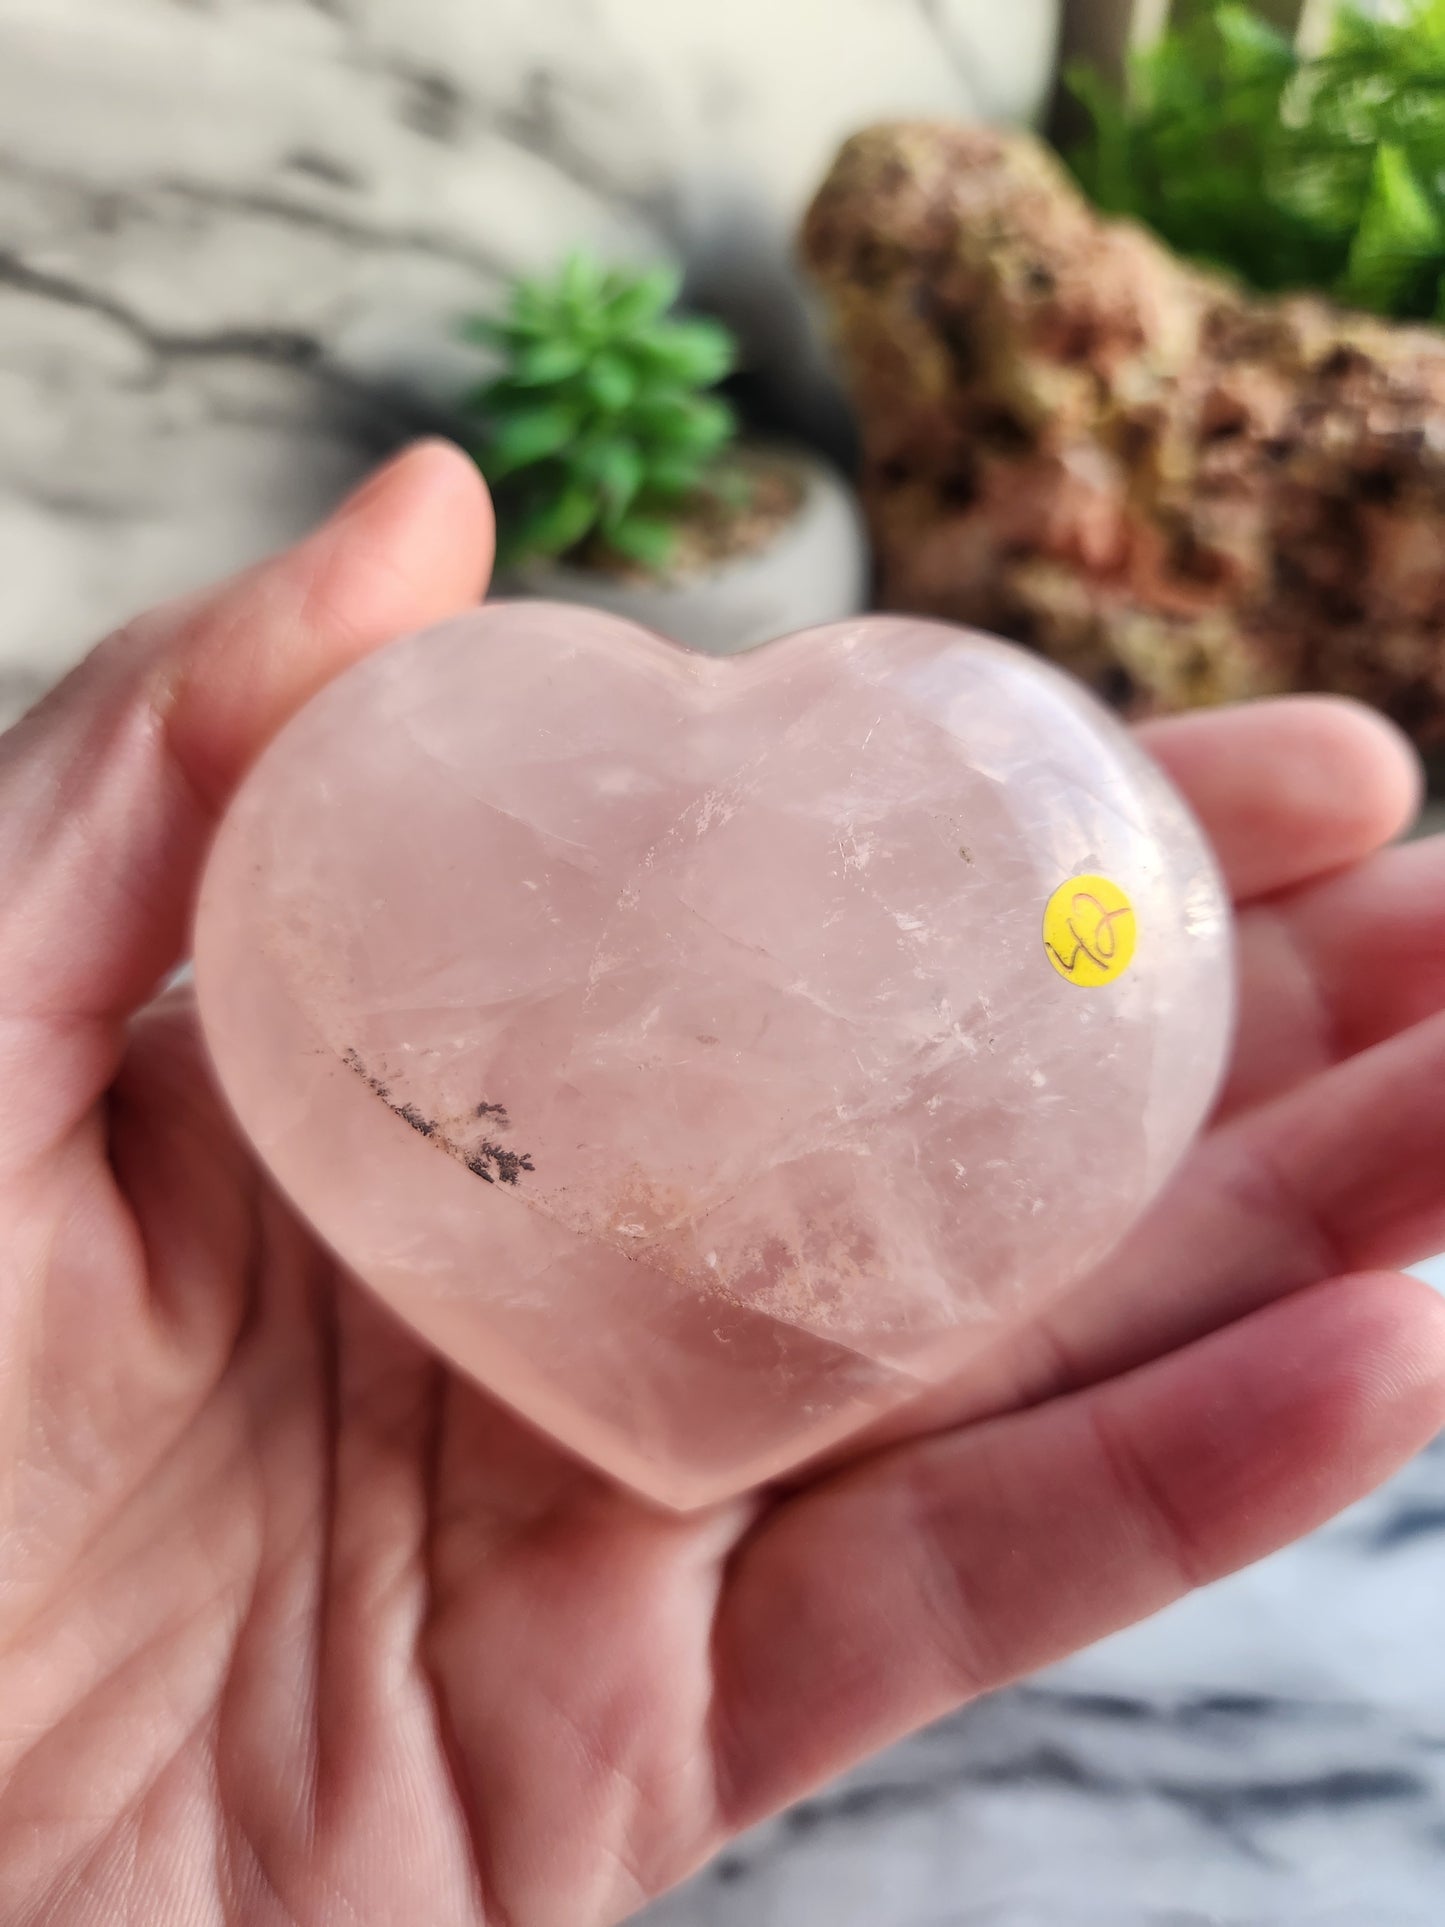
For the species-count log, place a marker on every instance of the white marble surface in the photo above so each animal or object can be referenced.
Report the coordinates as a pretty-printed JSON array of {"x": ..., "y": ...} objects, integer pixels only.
[
  {"x": 233, "y": 236},
  {"x": 1270, "y": 1753},
  {"x": 236, "y": 235}
]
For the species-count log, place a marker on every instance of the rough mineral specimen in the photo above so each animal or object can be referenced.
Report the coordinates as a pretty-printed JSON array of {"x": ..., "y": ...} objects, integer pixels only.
[
  {"x": 1075, "y": 439},
  {"x": 709, "y": 1055}
]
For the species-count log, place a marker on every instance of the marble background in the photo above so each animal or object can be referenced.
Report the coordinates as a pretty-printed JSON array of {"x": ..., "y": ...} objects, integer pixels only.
[{"x": 234, "y": 237}]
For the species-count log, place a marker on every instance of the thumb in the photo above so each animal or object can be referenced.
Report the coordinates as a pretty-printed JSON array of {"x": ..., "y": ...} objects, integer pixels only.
[{"x": 110, "y": 788}]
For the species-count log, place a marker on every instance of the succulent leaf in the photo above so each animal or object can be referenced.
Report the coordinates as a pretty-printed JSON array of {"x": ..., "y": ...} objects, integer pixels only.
[{"x": 598, "y": 421}]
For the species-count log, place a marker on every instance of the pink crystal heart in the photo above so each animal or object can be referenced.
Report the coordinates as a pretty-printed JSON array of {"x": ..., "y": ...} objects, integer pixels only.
[{"x": 711, "y": 1055}]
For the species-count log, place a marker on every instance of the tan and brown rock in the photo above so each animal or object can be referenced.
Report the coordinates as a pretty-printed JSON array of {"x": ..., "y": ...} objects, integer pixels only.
[{"x": 1073, "y": 438}]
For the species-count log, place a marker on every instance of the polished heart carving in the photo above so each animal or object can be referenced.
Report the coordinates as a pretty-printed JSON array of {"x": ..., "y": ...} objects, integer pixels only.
[{"x": 711, "y": 1055}]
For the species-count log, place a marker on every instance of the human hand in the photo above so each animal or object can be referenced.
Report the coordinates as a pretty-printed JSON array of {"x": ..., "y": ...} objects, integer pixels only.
[{"x": 297, "y": 1626}]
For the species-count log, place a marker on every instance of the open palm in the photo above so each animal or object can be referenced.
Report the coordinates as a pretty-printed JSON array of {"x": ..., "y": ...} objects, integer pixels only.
[{"x": 296, "y": 1626}]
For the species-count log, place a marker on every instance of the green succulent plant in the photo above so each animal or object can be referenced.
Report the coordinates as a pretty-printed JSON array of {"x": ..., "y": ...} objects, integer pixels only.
[
  {"x": 1324, "y": 172},
  {"x": 599, "y": 426}
]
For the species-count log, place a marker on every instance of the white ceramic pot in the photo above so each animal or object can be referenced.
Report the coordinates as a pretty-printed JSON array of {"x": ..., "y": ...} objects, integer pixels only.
[{"x": 815, "y": 570}]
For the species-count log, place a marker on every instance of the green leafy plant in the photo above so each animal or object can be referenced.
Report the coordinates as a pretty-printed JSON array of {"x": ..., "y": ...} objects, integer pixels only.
[
  {"x": 1292, "y": 172},
  {"x": 598, "y": 428}
]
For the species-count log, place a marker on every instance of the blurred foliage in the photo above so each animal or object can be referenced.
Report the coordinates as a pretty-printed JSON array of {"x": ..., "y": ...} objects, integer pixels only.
[
  {"x": 598, "y": 426},
  {"x": 1324, "y": 173}
]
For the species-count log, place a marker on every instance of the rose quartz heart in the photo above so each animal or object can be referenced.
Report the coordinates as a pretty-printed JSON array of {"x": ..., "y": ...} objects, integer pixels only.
[{"x": 681, "y": 1044}]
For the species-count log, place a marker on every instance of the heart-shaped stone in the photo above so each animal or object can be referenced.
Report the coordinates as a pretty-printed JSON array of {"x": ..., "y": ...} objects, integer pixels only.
[{"x": 708, "y": 1056}]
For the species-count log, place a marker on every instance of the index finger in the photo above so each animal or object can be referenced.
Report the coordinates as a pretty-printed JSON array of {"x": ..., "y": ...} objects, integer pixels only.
[{"x": 1290, "y": 789}]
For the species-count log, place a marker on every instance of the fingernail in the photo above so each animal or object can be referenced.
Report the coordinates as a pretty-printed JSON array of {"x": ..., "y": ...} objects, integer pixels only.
[{"x": 382, "y": 478}]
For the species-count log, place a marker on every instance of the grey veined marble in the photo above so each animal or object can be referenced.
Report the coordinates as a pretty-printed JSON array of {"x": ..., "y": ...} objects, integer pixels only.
[{"x": 235, "y": 235}]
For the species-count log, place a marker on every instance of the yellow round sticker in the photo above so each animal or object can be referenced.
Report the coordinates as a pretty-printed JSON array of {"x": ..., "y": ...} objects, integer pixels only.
[{"x": 1089, "y": 931}]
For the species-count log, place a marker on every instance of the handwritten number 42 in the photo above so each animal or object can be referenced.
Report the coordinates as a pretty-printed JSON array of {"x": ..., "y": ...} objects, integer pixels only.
[{"x": 1097, "y": 940}]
